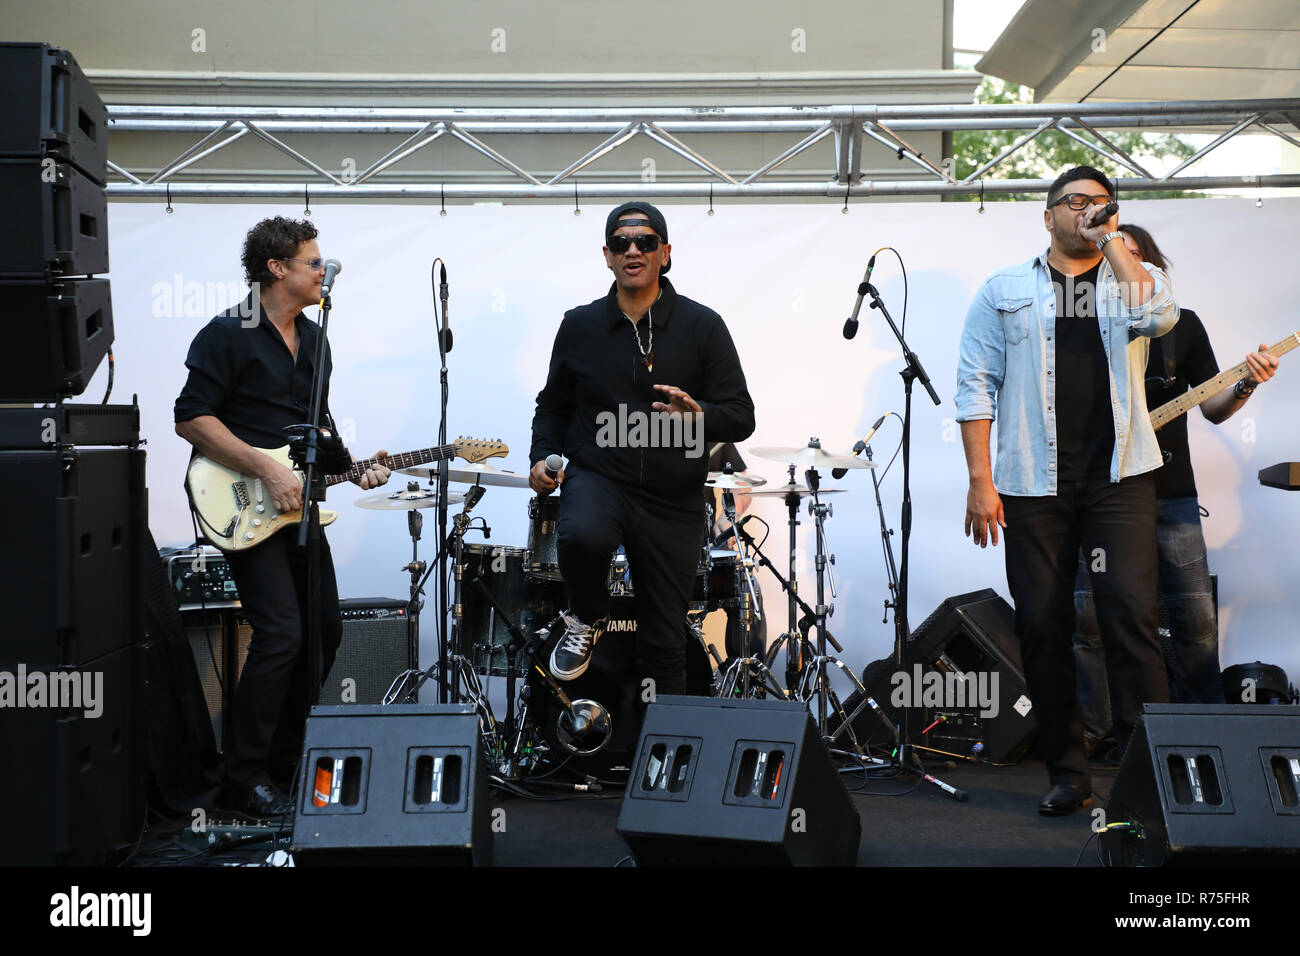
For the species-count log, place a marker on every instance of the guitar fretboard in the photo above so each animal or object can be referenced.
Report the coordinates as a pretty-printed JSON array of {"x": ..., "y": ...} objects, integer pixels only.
[
  {"x": 407, "y": 459},
  {"x": 1167, "y": 412}
]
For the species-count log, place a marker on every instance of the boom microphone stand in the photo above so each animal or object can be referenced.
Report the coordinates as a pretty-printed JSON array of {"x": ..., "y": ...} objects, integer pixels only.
[{"x": 907, "y": 757}]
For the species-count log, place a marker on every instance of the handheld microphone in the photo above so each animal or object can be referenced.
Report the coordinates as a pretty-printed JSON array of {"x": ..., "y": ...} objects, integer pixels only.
[
  {"x": 445, "y": 334},
  {"x": 1107, "y": 211},
  {"x": 851, "y": 323},
  {"x": 554, "y": 465},
  {"x": 332, "y": 269},
  {"x": 838, "y": 473}
]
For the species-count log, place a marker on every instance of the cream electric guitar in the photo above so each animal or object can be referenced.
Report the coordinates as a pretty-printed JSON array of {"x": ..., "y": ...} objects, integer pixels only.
[
  {"x": 236, "y": 512},
  {"x": 1185, "y": 402}
]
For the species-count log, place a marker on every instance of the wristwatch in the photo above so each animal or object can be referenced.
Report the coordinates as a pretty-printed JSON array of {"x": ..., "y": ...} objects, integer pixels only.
[
  {"x": 1101, "y": 243},
  {"x": 1242, "y": 389}
]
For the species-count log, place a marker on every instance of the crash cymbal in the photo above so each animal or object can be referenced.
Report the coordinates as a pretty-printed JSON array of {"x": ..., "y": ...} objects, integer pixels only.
[
  {"x": 720, "y": 479},
  {"x": 478, "y": 472},
  {"x": 780, "y": 491},
  {"x": 810, "y": 456},
  {"x": 406, "y": 500}
]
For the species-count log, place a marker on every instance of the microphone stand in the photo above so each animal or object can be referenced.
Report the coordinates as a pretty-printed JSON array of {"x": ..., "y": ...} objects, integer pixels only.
[
  {"x": 907, "y": 757},
  {"x": 313, "y": 490},
  {"x": 447, "y": 691}
]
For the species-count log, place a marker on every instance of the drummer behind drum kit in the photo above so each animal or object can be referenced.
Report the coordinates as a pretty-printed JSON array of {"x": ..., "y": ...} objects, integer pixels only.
[{"x": 507, "y": 599}]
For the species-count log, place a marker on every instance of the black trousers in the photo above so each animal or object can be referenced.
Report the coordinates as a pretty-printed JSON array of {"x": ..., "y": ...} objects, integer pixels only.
[
  {"x": 1115, "y": 524},
  {"x": 273, "y": 698},
  {"x": 663, "y": 541}
]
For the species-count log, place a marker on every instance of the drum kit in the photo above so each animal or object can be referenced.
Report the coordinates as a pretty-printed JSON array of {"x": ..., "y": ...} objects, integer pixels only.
[{"x": 507, "y": 598}]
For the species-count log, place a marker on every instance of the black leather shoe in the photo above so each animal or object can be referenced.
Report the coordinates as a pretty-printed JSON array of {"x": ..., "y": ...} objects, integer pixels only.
[
  {"x": 264, "y": 800},
  {"x": 1063, "y": 799}
]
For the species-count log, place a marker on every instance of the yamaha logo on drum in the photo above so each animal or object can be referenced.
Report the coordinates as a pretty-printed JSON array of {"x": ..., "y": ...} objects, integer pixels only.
[{"x": 621, "y": 626}]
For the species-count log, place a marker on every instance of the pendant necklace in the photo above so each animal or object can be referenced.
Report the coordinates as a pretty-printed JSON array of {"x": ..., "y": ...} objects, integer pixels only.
[{"x": 647, "y": 353}]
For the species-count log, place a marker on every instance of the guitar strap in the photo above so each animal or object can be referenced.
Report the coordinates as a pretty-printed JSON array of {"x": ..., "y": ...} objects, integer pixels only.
[{"x": 1167, "y": 349}]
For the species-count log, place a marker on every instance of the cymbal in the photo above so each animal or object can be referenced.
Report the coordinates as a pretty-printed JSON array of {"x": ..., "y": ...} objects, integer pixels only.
[
  {"x": 478, "y": 472},
  {"x": 810, "y": 457},
  {"x": 405, "y": 500},
  {"x": 780, "y": 491},
  {"x": 720, "y": 479}
]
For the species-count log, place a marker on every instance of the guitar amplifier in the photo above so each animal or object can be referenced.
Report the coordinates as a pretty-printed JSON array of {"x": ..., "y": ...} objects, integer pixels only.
[
  {"x": 219, "y": 640},
  {"x": 374, "y": 650}
]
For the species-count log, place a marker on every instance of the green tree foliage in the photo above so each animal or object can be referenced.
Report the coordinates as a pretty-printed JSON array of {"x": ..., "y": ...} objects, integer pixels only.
[{"x": 1052, "y": 152}]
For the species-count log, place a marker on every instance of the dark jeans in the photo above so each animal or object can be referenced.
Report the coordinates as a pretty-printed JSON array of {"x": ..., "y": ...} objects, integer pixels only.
[
  {"x": 273, "y": 699},
  {"x": 1185, "y": 588},
  {"x": 663, "y": 542},
  {"x": 1116, "y": 523}
]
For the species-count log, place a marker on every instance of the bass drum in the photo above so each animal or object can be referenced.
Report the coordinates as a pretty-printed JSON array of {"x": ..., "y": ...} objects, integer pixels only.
[{"x": 611, "y": 681}]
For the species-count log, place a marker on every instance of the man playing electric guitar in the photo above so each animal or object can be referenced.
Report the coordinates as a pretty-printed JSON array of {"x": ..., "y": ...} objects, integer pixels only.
[{"x": 250, "y": 375}]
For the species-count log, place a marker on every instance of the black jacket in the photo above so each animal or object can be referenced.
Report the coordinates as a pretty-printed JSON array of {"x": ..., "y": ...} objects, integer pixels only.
[{"x": 598, "y": 392}]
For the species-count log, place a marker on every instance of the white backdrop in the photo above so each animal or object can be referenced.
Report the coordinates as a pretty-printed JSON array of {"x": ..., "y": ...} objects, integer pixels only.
[{"x": 784, "y": 278}]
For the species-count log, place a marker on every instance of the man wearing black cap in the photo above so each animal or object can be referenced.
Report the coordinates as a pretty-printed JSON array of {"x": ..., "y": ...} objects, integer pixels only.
[{"x": 640, "y": 383}]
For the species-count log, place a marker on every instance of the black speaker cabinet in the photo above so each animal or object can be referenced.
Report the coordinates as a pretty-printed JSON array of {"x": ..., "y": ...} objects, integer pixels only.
[
  {"x": 954, "y": 657},
  {"x": 56, "y": 336},
  {"x": 397, "y": 785},
  {"x": 49, "y": 108},
  {"x": 56, "y": 221},
  {"x": 70, "y": 573},
  {"x": 76, "y": 788},
  {"x": 736, "y": 782},
  {"x": 1207, "y": 784},
  {"x": 373, "y": 651}
]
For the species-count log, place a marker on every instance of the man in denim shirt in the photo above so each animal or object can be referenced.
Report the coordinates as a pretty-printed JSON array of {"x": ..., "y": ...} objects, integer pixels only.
[{"x": 1056, "y": 349}]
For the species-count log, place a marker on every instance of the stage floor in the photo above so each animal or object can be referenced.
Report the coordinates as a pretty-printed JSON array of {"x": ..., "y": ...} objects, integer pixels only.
[{"x": 903, "y": 824}]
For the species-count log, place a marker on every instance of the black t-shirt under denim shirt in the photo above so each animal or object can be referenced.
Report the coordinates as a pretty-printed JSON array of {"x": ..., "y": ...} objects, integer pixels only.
[
  {"x": 1194, "y": 363},
  {"x": 1085, "y": 424}
]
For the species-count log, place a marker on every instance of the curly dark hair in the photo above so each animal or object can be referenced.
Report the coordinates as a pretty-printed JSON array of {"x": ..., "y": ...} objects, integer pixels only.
[{"x": 275, "y": 238}]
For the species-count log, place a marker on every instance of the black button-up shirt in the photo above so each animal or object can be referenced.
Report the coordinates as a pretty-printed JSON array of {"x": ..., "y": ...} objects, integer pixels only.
[
  {"x": 247, "y": 378},
  {"x": 598, "y": 376}
]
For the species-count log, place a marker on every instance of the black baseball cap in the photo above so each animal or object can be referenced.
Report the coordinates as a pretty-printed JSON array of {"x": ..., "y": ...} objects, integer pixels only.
[{"x": 651, "y": 215}]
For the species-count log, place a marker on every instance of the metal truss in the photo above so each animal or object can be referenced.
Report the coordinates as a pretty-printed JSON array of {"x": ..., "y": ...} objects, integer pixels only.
[{"x": 846, "y": 128}]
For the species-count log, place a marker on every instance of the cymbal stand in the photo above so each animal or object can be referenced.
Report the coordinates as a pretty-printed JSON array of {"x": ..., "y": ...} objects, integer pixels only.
[
  {"x": 814, "y": 681},
  {"x": 738, "y": 681}
]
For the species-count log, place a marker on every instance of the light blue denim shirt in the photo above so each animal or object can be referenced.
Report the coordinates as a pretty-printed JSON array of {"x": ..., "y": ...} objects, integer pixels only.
[{"x": 1007, "y": 371}]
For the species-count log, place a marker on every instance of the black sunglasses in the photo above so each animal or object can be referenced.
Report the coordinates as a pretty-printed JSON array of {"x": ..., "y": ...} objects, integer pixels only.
[{"x": 618, "y": 245}]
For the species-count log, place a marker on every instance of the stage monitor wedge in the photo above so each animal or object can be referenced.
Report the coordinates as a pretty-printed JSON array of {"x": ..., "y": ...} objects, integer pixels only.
[
  {"x": 736, "y": 783},
  {"x": 1207, "y": 784}
]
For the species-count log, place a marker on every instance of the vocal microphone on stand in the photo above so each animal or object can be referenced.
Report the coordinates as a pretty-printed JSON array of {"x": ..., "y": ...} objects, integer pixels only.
[
  {"x": 332, "y": 269},
  {"x": 838, "y": 473},
  {"x": 729, "y": 531},
  {"x": 445, "y": 334},
  {"x": 851, "y": 323}
]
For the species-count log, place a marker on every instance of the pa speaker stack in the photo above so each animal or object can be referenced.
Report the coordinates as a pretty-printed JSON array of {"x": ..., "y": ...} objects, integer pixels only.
[
  {"x": 71, "y": 569},
  {"x": 58, "y": 319}
]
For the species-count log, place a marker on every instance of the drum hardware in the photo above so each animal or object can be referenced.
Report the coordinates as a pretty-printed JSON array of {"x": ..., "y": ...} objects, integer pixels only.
[
  {"x": 726, "y": 479},
  {"x": 408, "y": 500},
  {"x": 473, "y": 473},
  {"x": 739, "y": 679},
  {"x": 810, "y": 456}
]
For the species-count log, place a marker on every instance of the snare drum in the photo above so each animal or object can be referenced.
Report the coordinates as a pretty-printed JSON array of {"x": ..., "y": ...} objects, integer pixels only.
[
  {"x": 484, "y": 637},
  {"x": 543, "y": 560}
]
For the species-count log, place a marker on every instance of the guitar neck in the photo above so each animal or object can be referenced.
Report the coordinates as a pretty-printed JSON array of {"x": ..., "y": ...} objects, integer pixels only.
[
  {"x": 1184, "y": 403},
  {"x": 407, "y": 459}
]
